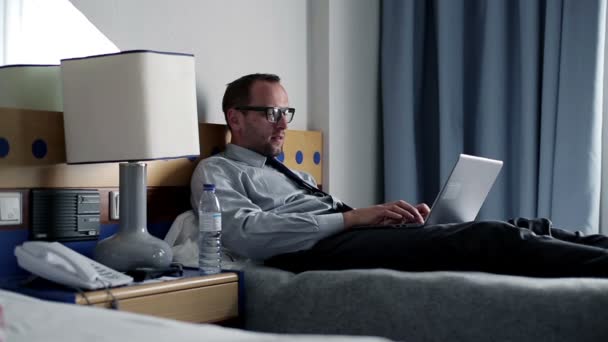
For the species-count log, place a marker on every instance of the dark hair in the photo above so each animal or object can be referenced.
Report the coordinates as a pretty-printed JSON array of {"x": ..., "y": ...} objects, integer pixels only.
[{"x": 237, "y": 92}]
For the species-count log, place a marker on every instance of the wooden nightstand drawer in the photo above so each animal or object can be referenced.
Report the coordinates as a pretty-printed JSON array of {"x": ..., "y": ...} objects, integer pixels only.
[
  {"x": 200, "y": 299},
  {"x": 206, "y": 304}
]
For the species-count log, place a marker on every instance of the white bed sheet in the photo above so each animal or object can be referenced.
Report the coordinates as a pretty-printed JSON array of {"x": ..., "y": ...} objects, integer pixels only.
[{"x": 29, "y": 319}]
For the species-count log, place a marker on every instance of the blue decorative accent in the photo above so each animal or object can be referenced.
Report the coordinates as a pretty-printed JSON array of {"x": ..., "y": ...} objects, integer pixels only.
[
  {"x": 299, "y": 157},
  {"x": 5, "y": 147},
  {"x": 39, "y": 148},
  {"x": 281, "y": 157},
  {"x": 317, "y": 157},
  {"x": 192, "y": 158}
]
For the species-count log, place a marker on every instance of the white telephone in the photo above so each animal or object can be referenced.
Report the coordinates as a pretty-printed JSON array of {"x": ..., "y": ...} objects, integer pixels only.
[{"x": 56, "y": 262}]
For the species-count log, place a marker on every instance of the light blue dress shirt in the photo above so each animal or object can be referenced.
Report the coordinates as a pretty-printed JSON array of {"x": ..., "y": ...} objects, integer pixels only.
[{"x": 264, "y": 213}]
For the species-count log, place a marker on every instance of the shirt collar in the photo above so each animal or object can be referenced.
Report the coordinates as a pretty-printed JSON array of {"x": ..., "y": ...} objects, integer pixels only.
[{"x": 244, "y": 155}]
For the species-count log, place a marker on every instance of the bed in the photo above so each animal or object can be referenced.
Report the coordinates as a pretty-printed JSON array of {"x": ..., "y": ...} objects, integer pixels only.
[
  {"x": 426, "y": 306},
  {"x": 27, "y": 319},
  {"x": 412, "y": 306}
]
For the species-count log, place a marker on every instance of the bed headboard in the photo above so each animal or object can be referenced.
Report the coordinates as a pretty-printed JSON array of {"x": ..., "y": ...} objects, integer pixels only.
[{"x": 32, "y": 155}]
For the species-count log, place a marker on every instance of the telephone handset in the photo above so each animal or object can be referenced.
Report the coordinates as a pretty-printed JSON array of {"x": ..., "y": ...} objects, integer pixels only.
[{"x": 56, "y": 262}]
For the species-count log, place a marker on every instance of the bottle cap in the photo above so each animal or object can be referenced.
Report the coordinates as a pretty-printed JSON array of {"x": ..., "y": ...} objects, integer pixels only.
[{"x": 208, "y": 186}]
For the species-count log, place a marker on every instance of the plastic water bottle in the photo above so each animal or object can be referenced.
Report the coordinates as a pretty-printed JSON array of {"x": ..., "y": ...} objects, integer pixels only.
[{"x": 209, "y": 232}]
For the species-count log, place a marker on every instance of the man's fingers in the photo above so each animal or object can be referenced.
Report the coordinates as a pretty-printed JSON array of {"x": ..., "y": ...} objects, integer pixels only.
[
  {"x": 398, "y": 213},
  {"x": 408, "y": 212},
  {"x": 416, "y": 216},
  {"x": 401, "y": 211},
  {"x": 391, "y": 214},
  {"x": 423, "y": 209}
]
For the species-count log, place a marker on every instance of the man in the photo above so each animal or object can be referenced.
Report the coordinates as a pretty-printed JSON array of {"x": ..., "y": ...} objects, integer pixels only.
[{"x": 271, "y": 216}]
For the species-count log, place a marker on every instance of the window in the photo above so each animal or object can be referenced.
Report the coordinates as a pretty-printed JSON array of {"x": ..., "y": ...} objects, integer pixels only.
[{"x": 45, "y": 31}]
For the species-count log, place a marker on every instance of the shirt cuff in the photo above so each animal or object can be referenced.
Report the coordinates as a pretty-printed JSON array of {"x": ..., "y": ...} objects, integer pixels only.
[{"x": 330, "y": 224}]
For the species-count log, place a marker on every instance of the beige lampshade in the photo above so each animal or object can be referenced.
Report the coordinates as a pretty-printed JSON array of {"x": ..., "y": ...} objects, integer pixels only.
[{"x": 130, "y": 106}]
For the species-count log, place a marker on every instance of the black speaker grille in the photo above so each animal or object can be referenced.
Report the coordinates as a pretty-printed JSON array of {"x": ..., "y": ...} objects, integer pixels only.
[{"x": 55, "y": 214}]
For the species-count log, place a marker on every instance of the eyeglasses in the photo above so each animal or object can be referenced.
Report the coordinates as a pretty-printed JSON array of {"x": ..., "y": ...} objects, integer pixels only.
[{"x": 273, "y": 114}]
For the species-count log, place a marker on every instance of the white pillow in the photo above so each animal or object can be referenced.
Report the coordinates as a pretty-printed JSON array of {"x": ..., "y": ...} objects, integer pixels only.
[{"x": 183, "y": 239}]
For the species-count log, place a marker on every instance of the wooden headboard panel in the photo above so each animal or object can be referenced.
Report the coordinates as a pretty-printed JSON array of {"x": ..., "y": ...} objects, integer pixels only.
[{"x": 32, "y": 155}]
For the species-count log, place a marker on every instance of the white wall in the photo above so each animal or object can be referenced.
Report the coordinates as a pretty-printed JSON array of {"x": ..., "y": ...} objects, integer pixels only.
[
  {"x": 604, "y": 187},
  {"x": 326, "y": 52},
  {"x": 229, "y": 38}
]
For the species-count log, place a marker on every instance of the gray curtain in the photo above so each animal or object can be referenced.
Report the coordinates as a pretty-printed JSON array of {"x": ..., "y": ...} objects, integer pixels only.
[{"x": 513, "y": 80}]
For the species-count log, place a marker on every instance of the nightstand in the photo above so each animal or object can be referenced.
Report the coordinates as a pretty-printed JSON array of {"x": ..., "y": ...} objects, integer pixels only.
[
  {"x": 191, "y": 298},
  {"x": 198, "y": 299}
]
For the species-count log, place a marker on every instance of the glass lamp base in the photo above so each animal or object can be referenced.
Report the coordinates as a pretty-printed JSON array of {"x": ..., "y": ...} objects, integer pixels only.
[
  {"x": 124, "y": 252},
  {"x": 132, "y": 246}
]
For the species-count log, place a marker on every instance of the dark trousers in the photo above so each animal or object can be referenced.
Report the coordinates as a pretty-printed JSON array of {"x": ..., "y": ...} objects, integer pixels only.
[{"x": 487, "y": 246}]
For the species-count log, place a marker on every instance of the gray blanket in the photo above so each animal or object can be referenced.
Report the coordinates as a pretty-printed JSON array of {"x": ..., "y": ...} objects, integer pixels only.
[{"x": 427, "y": 306}]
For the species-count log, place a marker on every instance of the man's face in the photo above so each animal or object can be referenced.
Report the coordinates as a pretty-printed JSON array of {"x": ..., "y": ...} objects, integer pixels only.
[{"x": 253, "y": 130}]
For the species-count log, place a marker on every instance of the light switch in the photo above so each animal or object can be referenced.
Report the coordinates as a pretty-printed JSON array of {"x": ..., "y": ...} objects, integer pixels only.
[{"x": 10, "y": 208}]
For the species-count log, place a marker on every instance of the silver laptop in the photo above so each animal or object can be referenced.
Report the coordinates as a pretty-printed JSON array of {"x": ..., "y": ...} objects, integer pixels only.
[{"x": 463, "y": 193}]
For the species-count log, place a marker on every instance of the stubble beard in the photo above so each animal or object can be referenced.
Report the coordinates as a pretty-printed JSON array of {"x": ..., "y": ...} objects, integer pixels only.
[
  {"x": 267, "y": 149},
  {"x": 272, "y": 151}
]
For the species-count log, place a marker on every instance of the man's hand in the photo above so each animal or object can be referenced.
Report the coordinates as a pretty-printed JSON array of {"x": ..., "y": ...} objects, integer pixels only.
[{"x": 387, "y": 213}]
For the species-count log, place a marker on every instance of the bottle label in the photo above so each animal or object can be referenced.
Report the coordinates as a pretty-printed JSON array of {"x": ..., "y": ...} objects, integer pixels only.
[{"x": 210, "y": 222}]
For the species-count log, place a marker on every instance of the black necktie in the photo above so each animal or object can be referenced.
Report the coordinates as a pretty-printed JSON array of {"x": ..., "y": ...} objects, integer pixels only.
[{"x": 277, "y": 165}]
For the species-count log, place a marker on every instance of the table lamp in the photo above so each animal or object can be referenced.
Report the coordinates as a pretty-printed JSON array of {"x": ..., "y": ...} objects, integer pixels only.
[
  {"x": 31, "y": 86},
  {"x": 130, "y": 107}
]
